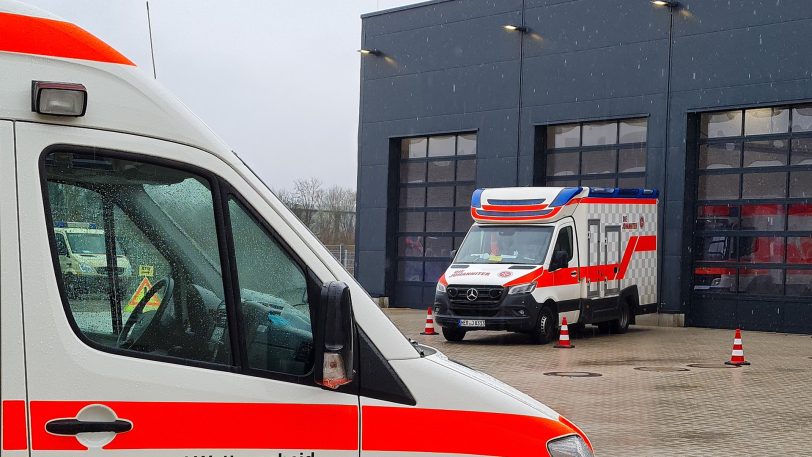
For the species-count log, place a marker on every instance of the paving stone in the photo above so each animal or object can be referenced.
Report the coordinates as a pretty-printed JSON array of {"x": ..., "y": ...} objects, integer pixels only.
[{"x": 762, "y": 409}]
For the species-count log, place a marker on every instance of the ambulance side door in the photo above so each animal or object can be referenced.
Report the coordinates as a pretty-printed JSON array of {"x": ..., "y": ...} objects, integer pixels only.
[
  {"x": 565, "y": 259},
  {"x": 207, "y": 349}
]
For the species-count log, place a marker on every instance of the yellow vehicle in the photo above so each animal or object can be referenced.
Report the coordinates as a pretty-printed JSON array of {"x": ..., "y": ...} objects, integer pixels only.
[{"x": 83, "y": 257}]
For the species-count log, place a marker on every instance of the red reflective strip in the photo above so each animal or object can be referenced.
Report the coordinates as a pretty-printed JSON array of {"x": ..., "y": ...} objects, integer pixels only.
[
  {"x": 175, "y": 425},
  {"x": 15, "y": 437},
  {"x": 514, "y": 208},
  {"x": 620, "y": 201},
  {"x": 507, "y": 218},
  {"x": 442, "y": 280},
  {"x": 714, "y": 271},
  {"x": 526, "y": 278},
  {"x": 464, "y": 432},
  {"x": 48, "y": 37},
  {"x": 627, "y": 257},
  {"x": 646, "y": 243}
]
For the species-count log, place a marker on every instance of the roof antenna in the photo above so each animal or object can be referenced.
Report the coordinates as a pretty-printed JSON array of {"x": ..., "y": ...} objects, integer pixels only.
[{"x": 151, "y": 48}]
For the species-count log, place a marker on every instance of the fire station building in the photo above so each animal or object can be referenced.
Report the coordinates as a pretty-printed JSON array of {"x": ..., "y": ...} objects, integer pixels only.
[{"x": 708, "y": 101}]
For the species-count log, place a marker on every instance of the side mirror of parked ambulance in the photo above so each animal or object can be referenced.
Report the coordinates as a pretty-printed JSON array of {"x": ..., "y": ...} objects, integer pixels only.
[
  {"x": 334, "y": 337},
  {"x": 452, "y": 254}
]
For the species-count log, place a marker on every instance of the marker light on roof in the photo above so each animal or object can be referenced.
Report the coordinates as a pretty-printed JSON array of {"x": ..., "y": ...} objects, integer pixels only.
[{"x": 58, "y": 99}]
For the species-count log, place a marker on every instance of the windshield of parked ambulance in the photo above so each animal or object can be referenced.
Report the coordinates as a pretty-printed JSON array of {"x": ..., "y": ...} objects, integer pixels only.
[
  {"x": 505, "y": 244},
  {"x": 89, "y": 243}
]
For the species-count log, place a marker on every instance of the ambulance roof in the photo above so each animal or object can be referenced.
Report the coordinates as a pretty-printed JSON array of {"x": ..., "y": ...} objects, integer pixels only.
[
  {"x": 544, "y": 204},
  {"x": 37, "y": 46}
]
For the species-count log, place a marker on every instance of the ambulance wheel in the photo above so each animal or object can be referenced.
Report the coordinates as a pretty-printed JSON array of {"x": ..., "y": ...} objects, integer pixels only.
[
  {"x": 621, "y": 324},
  {"x": 453, "y": 334},
  {"x": 546, "y": 326}
]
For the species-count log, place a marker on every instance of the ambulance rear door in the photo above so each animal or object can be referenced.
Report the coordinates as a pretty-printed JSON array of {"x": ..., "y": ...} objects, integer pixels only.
[{"x": 204, "y": 345}]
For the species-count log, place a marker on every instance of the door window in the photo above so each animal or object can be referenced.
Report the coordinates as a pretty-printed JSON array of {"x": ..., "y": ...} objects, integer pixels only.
[
  {"x": 273, "y": 299},
  {"x": 143, "y": 272},
  {"x": 564, "y": 242}
]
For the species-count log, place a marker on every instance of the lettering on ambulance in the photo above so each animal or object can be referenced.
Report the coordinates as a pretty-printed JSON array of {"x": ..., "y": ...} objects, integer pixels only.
[
  {"x": 49, "y": 37},
  {"x": 610, "y": 272},
  {"x": 15, "y": 436}
]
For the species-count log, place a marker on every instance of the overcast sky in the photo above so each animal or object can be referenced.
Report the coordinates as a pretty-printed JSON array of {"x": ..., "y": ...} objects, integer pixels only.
[{"x": 277, "y": 80}]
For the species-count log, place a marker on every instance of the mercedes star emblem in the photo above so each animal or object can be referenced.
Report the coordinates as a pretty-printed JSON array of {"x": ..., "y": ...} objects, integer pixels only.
[{"x": 471, "y": 294}]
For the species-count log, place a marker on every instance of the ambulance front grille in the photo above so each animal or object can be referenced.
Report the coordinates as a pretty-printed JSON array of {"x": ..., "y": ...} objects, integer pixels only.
[{"x": 468, "y": 297}]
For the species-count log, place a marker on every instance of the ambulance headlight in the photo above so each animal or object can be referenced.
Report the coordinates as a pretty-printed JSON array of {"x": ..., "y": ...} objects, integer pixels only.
[
  {"x": 522, "y": 289},
  {"x": 440, "y": 288},
  {"x": 86, "y": 268},
  {"x": 58, "y": 99},
  {"x": 569, "y": 446}
]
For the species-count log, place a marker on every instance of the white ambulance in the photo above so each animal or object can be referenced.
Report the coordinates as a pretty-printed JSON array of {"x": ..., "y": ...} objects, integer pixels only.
[
  {"x": 251, "y": 339},
  {"x": 535, "y": 255},
  {"x": 82, "y": 257}
]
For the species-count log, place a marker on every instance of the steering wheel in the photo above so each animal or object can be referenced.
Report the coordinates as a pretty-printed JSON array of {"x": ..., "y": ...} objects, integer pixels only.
[{"x": 169, "y": 284}]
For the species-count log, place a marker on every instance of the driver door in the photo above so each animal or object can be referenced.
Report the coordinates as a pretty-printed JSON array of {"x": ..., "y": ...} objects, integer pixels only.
[{"x": 186, "y": 329}]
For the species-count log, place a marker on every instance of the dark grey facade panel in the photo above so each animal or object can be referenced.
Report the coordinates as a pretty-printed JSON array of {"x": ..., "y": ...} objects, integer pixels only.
[
  {"x": 435, "y": 13},
  {"x": 449, "y": 66},
  {"x": 574, "y": 26}
]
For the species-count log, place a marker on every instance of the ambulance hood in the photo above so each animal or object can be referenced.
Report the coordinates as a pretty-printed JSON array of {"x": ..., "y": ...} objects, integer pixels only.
[{"x": 488, "y": 274}]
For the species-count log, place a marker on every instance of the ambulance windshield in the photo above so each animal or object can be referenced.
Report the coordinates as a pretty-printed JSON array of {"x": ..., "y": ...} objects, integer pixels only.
[
  {"x": 505, "y": 244},
  {"x": 89, "y": 243}
]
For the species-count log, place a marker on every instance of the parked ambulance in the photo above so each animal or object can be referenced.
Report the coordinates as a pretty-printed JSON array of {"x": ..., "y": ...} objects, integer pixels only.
[
  {"x": 256, "y": 342},
  {"x": 82, "y": 257},
  {"x": 535, "y": 255}
]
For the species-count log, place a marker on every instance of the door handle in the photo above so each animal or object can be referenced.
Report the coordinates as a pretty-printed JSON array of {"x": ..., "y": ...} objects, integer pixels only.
[
  {"x": 573, "y": 273},
  {"x": 75, "y": 426}
]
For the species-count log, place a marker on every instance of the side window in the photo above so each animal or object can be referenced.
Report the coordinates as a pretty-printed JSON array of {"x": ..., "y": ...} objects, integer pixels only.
[
  {"x": 273, "y": 299},
  {"x": 61, "y": 245},
  {"x": 564, "y": 242},
  {"x": 138, "y": 256}
]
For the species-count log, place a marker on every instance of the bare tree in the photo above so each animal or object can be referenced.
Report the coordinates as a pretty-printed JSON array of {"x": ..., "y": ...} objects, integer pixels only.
[{"x": 329, "y": 213}]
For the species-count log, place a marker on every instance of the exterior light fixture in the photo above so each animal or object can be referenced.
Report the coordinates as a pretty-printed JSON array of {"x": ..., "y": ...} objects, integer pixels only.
[
  {"x": 373, "y": 52},
  {"x": 665, "y": 3},
  {"x": 58, "y": 99},
  {"x": 516, "y": 28}
]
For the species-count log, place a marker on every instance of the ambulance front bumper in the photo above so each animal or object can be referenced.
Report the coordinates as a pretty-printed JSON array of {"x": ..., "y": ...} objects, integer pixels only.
[{"x": 515, "y": 313}]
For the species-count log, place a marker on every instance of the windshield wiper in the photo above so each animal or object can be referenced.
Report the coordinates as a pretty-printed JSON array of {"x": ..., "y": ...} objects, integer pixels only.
[{"x": 417, "y": 347}]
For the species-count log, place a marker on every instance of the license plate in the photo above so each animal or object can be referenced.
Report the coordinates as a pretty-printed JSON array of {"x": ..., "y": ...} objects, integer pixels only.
[{"x": 472, "y": 323}]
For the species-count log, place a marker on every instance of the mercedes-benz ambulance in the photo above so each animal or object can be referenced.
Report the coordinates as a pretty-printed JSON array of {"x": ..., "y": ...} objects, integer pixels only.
[
  {"x": 245, "y": 336},
  {"x": 536, "y": 255}
]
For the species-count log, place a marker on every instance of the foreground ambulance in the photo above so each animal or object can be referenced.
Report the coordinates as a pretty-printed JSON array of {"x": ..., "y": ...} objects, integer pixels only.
[
  {"x": 538, "y": 254},
  {"x": 242, "y": 336}
]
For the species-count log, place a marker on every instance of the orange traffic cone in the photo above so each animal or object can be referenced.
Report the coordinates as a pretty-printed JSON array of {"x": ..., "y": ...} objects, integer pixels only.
[
  {"x": 429, "y": 324},
  {"x": 564, "y": 337},
  {"x": 737, "y": 356}
]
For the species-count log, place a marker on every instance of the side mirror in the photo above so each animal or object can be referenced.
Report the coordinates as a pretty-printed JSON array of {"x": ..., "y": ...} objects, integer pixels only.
[
  {"x": 334, "y": 337},
  {"x": 559, "y": 260},
  {"x": 453, "y": 254}
]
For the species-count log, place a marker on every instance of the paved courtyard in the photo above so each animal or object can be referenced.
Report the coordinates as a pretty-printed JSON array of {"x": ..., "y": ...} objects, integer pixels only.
[{"x": 764, "y": 409}]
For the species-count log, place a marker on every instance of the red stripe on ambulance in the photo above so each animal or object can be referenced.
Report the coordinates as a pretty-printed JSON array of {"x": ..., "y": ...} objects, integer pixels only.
[
  {"x": 49, "y": 37},
  {"x": 180, "y": 425},
  {"x": 15, "y": 437},
  {"x": 467, "y": 432}
]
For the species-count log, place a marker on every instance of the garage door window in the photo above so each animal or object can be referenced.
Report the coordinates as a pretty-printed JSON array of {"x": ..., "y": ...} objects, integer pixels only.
[
  {"x": 754, "y": 195},
  {"x": 596, "y": 154}
]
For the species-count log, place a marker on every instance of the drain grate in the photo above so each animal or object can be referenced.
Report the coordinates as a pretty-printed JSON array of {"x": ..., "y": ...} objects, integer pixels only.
[
  {"x": 711, "y": 365},
  {"x": 662, "y": 369},
  {"x": 573, "y": 374}
]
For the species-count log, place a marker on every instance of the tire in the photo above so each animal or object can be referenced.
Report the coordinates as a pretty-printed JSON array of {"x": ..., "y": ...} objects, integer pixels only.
[
  {"x": 453, "y": 334},
  {"x": 546, "y": 326},
  {"x": 621, "y": 324}
]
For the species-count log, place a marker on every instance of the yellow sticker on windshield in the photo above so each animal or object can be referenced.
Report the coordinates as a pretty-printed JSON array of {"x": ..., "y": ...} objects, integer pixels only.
[{"x": 495, "y": 258}]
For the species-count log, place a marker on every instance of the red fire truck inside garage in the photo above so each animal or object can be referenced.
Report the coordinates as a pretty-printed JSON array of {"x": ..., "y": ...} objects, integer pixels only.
[{"x": 537, "y": 255}]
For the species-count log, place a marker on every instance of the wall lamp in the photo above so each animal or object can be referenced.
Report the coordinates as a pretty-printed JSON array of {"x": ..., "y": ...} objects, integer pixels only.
[
  {"x": 516, "y": 28},
  {"x": 372, "y": 52},
  {"x": 665, "y": 3}
]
